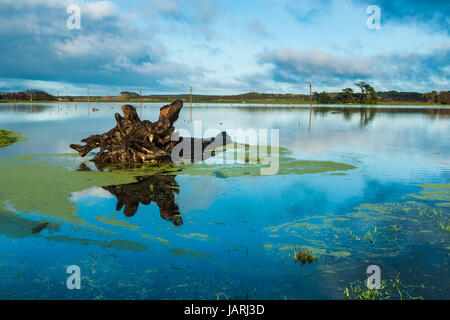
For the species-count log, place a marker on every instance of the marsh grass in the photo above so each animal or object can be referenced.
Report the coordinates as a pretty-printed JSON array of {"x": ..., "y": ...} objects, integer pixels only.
[
  {"x": 390, "y": 289},
  {"x": 370, "y": 236},
  {"x": 441, "y": 218},
  {"x": 444, "y": 227},
  {"x": 304, "y": 256}
]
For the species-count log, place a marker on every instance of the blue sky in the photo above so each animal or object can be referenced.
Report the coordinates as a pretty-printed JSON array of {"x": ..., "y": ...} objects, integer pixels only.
[{"x": 223, "y": 46}]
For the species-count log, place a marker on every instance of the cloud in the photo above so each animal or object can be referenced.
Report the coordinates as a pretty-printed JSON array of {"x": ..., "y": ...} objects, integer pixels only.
[
  {"x": 256, "y": 27},
  {"x": 191, "y": 17},
  {"x": 99, "y": 10},
  {"x": 290, "y": 65},
  {"x": 396, "y": 69},
  {"x": 432, "y": 15},
  {"x": 307, "y": 11},
  {"x": 94, "y": 192},
  {"x": 107, "y": 50}
]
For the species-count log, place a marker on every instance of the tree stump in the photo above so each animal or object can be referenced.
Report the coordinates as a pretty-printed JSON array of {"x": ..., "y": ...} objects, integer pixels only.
[
  {"x": 136, "y": 141},
  {"x": 133, "y": 140}
]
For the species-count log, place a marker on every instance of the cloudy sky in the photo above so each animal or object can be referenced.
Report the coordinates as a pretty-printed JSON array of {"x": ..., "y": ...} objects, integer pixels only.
[{"x": 223, "y": 46}]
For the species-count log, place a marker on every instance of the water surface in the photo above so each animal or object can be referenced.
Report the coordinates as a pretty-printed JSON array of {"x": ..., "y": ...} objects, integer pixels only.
[{"x": 381, "y": 197}]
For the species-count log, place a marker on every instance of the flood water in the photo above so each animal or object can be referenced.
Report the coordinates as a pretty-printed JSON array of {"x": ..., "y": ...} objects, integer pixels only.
[{"x": 356, "y": 187}]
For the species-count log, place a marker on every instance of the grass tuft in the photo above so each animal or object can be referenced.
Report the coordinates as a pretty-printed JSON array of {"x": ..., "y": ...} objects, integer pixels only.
[{"x": 304, "y": 256}]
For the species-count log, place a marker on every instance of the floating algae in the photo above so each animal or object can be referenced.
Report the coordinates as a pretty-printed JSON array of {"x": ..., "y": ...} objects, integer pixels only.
[
  {"x": 222, "y": 170},
  {"x": 164, "y": 241},
  {"x": 197, "y": 236},
  {"x": 31, "y": 186},
  {"x": 181, "y": 252},
  {"x": 440, "y": 192},
  {"x": 114, "y": 244},
  {"x": 9, "y": 137},
  {"x": 340, "y": 254},
  {"x": 15, "y": 226},
  {"x": 381, "y": 227},
  {"x": 117, "y": 222},
  {"x": 44, "y": 184}
]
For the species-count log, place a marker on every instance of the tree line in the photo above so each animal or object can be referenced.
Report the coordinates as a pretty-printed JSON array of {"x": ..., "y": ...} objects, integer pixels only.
[{"x": 366, "y": 94}]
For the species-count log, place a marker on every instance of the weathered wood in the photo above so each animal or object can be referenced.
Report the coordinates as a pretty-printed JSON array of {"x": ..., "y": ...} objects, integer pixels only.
[
  {"x": 133, "y": 140},
  {"x": 137, "y": 141}
]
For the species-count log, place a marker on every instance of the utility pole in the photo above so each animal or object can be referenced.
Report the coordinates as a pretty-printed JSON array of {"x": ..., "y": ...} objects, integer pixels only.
[
  {"x": 140, "y": 95},
  {"x": 310, "y": 107},
  {"x": 191, "y": 103},
  {"x": 89, "y": 103}
]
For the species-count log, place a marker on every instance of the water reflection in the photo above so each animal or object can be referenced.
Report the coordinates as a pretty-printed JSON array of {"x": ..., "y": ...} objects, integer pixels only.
[
  {"x": 157, "y": 188},
  {"x": 160, "y": 189},
  {"x": 25, "y": 108}
]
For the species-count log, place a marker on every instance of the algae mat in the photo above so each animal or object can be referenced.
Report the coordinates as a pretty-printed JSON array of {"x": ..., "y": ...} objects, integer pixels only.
[
  {"x": 44, "y": 184},
  {"x": 10, "y": 137}
]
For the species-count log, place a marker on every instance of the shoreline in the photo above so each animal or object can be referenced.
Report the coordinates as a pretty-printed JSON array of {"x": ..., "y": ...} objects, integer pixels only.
[{"x": 249, "y": 103}]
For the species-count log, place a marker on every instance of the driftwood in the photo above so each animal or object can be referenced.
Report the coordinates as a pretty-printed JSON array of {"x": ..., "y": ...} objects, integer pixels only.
[
  {"x": 133, "y": 140},
  {"x": 136, "y": 141}
]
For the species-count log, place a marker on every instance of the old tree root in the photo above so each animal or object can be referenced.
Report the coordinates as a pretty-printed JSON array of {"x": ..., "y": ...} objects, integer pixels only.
[
  {"x": 133, "y": 140},
  {"x": 136, "y": 141}
]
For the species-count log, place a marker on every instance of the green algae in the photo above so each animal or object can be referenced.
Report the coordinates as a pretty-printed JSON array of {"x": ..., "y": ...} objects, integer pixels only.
[
  {"x": 113, "y": 244},
  {"x": 10, "y": 137},
  {"x": 287, "y": 165},
  {"x": 43, "y": 184},
  {"x": 147, "y": 236},
  {"x": 196, "y": 236},
  {"x": 15, "y": 226},
  {"x": 380, "y": 227},
  {"x": 35, "y": 187},
  {"x": 117, "y": 222},
  {"x": 341, "y": 254},
  {"x": 440, "y": 192},
  {"x": 443, "y": 204},
  {"x": 181, "y": 252},
  {"x": 309, "y": 248}
]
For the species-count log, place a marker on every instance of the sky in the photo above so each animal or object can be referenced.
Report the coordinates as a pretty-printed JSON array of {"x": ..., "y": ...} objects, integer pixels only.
[{"x": 223, "y": 46}]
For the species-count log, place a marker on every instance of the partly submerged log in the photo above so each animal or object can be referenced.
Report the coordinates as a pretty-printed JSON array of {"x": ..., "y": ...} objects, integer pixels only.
[
  {"x": 136, "y": 141},
  {"x": 133, "y": 140}
]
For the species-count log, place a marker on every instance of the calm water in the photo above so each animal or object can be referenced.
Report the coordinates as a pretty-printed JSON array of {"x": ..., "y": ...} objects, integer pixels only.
[{"x": 215, "y": 235}]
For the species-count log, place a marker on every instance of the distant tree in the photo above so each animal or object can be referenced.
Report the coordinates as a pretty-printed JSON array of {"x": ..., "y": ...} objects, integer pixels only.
[
  {"x": 368, "y": 93},
  {"x": 323, "y": 97},
  {"x": 361, "y": 85},
  {"x": 444, "y": 97},
  {"x": 372, "y": 95},
  {"x": 347, "y": 95}
]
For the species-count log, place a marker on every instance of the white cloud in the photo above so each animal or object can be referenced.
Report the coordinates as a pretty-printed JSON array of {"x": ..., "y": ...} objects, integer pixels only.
[
  {"x": 99, "y": 10},
  {"x": 96, "y": 192}
]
